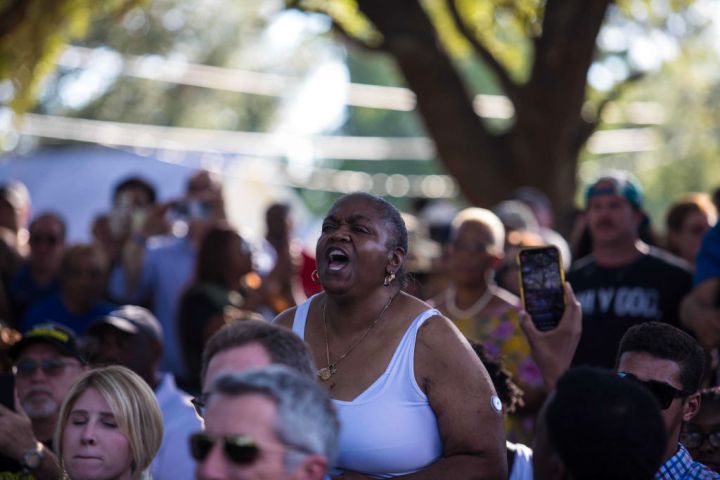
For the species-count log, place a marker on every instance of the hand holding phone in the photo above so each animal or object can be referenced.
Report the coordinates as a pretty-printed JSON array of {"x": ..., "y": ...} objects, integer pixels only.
[
  {"x": 553, "y": 350},
  {"x": 542, "y": 285}
]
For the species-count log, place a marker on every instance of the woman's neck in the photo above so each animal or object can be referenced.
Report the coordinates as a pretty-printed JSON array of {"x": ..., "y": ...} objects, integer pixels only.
[
  {"x": 346, "y": 316},
  {"x": 466, "y": 295}
]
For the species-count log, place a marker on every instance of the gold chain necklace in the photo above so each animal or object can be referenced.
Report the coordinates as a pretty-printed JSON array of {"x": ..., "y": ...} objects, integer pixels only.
[{"x": 326, "y": 372}]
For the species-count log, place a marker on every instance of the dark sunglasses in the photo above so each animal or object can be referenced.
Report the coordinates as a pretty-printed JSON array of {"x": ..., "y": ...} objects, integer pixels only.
[
  {"x": 472, "y": 247},
  {"x": 239, "y": 449},
  {"x": 664, "y": 393},
  {"x": 695, "y": 439},
  {"x": 50, "y": 240},
  {"x": 50, "y": 366}
]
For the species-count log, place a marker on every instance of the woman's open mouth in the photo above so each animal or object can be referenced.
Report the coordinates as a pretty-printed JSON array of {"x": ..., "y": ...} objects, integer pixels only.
[{"x": 337, "y": 259}]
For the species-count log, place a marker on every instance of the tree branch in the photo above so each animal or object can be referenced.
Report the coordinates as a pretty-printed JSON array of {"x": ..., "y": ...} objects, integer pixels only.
[
  {"x": 588, "y": 128},
  {"x": 338, "y": 27},
  {"x": 510, "y": 87},
  {"x": 354, "y": 40},
  {"x": 12, "y": 16}
]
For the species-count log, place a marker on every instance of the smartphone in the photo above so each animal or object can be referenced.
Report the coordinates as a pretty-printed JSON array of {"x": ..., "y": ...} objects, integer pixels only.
[
  {"x": 7, "y": 390},
  {"x": 192, "y": 209},
  {"x": 542, "y": 282}
]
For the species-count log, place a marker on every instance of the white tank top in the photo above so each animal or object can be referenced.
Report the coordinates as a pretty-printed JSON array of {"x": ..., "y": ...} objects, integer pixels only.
[{"x": 389, "y": 429}]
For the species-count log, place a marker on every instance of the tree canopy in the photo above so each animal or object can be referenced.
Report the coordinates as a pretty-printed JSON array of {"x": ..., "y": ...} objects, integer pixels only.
[
  {"x": 539, "y": 53},
  {"x": 34, "y": 32}
]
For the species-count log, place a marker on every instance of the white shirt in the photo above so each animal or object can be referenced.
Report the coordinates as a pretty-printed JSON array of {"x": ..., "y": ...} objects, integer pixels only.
[
  {"x": 521, "y": 468},
  {"x": 173, "y": 461}
]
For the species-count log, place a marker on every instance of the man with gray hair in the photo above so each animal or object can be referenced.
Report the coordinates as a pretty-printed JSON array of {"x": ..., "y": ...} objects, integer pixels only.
[{"x": 269, "y": 423}]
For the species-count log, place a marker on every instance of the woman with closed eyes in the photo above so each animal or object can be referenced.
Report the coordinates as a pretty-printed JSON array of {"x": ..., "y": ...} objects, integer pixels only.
[{"x": 110, "y": 426}]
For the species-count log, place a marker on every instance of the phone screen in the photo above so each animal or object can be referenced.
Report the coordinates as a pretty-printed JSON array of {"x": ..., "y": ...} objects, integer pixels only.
[
  {"x": 541, "y": 280},
  {"x": 7, "y": 390}
]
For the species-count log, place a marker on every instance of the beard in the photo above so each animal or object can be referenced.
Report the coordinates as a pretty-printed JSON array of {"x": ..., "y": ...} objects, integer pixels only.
[{"x": 40, "y": 404}]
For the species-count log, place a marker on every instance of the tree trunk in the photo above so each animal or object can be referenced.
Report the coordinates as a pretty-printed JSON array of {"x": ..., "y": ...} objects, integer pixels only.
[{"x": 541, "y": 148}]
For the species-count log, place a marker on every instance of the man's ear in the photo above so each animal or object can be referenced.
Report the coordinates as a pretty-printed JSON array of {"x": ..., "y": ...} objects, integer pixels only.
[
  {"x": 313, "y": 467},
  {"x": 691, "y": 407},
  {"x": 156, "y": 349},
  {"x": 639, "y": 217}
]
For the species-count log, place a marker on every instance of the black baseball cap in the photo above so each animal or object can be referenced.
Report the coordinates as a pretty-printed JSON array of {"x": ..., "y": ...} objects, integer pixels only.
[
  {"x": 131, "y": 319},
  {"x": 51, "y": 333}
]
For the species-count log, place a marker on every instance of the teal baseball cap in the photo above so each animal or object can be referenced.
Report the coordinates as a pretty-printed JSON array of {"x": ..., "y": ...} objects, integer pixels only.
[{"x": 616, "y": 183}]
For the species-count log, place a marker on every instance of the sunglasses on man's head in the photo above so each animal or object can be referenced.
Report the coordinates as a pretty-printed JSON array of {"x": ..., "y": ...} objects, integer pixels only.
[
  {"x": 50, "y": 366},
  {"x": 664, "y": 393}
]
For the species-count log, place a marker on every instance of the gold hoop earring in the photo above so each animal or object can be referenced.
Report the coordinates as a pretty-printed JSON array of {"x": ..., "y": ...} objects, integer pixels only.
[
  {"x": 388, "y": 279},
  {"x": 315, "y": 277}
]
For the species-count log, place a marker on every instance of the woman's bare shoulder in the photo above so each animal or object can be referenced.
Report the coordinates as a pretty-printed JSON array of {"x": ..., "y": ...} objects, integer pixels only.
[{"x": 285, "y": 318}]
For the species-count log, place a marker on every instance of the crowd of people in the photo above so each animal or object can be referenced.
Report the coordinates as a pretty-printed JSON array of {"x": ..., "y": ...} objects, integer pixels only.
[{"x": 171, "y": 347}]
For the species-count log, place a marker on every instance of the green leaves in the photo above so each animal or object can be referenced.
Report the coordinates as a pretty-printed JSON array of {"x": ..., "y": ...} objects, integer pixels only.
[{"x": 34, "y": 33}]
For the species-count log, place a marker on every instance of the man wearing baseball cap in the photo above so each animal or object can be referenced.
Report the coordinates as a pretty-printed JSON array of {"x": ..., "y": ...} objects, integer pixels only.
[
  {"x": 624, "y": 281},
  {"x": 131, "y": 336},
  {"x": 46, "y": 363}
]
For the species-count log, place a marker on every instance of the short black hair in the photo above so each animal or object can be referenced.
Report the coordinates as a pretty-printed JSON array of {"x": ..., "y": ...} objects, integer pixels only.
[
  {"x": 391, "y": 215},
  {"x": 604, "y": 427},
  {"x": 510, "y": 394},
  {"x": 135, "y": 182},
  {"x": 664, "y": 341}
]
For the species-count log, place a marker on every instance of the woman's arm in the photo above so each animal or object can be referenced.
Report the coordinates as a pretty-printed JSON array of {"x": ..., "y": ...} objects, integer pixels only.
[{"x": 461, "y": 395}]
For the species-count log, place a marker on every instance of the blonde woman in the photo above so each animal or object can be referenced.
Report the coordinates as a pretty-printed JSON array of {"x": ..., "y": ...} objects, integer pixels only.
[{"x": 110, "y": 426}]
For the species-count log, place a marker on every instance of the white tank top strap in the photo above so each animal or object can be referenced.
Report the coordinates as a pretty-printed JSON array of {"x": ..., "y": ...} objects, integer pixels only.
[
  {"x": 301, "y": 312},
  {"x": 402, "y": 364}
]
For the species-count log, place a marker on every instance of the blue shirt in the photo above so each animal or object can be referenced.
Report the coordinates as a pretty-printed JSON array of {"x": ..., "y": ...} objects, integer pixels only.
[
  {"x": 167, "y": 270},
  {"x": 681, "y": 466},
  {"x": 707, "y": 263},
  {"x": 173, "y": 461},
  {"x": 53, "y": 309},
  {"x": 25, "y": 292}
]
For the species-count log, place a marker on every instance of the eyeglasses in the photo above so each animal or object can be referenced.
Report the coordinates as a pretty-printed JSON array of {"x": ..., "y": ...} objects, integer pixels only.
[
  {"x": 200, "y": 403},
  {"x": 664, "y": 393},
  {"x": 47, "y": 239},
  {"x": 239, "y": 449},
  {"x": 50, "y": 366},
  {"x": 472, "y": 247},
  {"x": 695, "y": 439}
]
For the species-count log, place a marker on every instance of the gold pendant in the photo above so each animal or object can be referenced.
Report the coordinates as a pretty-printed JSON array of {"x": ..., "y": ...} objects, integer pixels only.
[{"x": 326, "y": 373}]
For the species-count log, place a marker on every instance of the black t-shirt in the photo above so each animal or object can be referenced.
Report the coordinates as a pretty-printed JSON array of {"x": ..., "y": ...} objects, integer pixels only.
[{"x": 614, "y": 299}]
